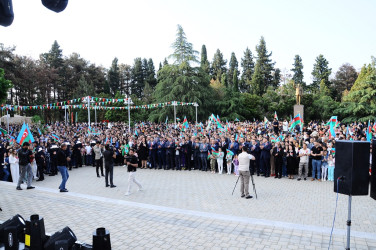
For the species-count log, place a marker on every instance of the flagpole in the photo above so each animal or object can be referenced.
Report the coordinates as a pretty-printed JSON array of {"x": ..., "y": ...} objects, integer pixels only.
[
  {"x": 88, "y": 110},
  {"x": 95, "y": 110},
  {"x": 129, "y": 116},
  {"x": 174, "y": 104},
  {"x": 65, "y": 114},
  {"x": 7, "y": 121}
]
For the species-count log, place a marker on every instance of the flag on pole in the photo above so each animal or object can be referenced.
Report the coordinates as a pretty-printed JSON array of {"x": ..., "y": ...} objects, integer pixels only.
[
  {"x": 272, "y": 138},
  {"x": 55, "y": 137},
  {"x": 25, "y": 135},
  {"x": 3, "y": 131},
  {"x": 374, "y": 126},
  {"x": 229, "y": 152},
  {"x": 237, "y": 120},
  {"x": 185, "y": 122},
  {"x": 275, "y": 115},
  {"x": 236, "y": 137},
  {"x": 333, "y": 121},
  {"x": 296, "y": 121},
  {"x": 369, "y": 132},
  {"x": 40, "y": 133},
  {"x": 265, "y": 121},
  {"x": 166, "y": 119}
]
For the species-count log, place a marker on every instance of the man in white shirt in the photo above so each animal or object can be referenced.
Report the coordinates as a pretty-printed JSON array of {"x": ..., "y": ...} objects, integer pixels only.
[
  {"x": 304, "y": 159},
  {"x": 244, "y": 173}
]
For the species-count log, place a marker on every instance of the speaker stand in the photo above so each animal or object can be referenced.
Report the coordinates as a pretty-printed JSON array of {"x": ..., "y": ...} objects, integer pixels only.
[{"x": 348, "y": 224}]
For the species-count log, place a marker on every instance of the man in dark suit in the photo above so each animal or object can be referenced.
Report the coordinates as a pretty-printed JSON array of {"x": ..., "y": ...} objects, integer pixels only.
[
  {"x": 109, "y": 156},
  {"x": 278, "y": 158},
  {"x": 265, "y": 148},
  {"x": 254, "y": 149}
]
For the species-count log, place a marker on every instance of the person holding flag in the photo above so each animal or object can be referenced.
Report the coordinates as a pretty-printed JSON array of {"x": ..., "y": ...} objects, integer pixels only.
[{"x": 25, "y": 155}]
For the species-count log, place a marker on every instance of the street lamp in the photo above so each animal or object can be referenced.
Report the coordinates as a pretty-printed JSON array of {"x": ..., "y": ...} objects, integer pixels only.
[
  {"x": 174, "y": 103},
  {"x": 196, "y": 105},
  {"x": 129, "y": 100}
]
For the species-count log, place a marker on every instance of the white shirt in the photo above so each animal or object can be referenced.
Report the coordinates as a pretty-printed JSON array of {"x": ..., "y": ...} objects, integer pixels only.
[
  {"x": 285, "y": 126},
  {"x": 88, "y": 150},
  {"x": 244, "y": 158},
  {"x": 307, "y": 151}
]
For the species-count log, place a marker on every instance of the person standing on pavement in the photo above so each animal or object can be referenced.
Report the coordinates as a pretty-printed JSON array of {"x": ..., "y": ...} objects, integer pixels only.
[
  {"x": 304, "y": 153},
  {"x": 244, "y": 173},
  {"x": 62, "y": 162},
  {"x": 316, "y": 153},
  {"x": 132, "y": 163},
  {"x": 24, "y": 156},
  {"x": 109, "y": 156},
  {"x": 98, "y": 158}
]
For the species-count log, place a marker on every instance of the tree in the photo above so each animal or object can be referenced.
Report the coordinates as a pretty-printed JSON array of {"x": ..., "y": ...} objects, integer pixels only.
[
  {"x": 344, "y": 79},
  {"x": 138, "y": 83},
  {"x": 235, "y": 80},
  {"x": 248, "y": 68},
  {"x": 113, "y": 77},
  {"x": 150, "y": 74},
  {"x": 321, "y": 71},
  {"x": 264, "y": 68},
  {"x": 218, "y": 66},
  {"x": 298, "y": 71},
  {"x": 205, "y": 65},
  {"x": 233, "y": 66},
  {"x": 182, "y": 82},
  {"x": 183, "y": 50},
  {"x": 276, "y": 77},
  {"x": 5, "y": 85},
  {"x": 125, "y": 72}
]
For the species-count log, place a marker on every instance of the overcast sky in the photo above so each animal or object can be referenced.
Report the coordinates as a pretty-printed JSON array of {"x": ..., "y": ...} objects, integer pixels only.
[{"x": 343, "y": 31}]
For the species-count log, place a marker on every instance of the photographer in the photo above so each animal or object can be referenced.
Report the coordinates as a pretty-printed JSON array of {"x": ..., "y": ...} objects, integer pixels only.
[
  {"x": 25, "y": 156},
  {"x": 132, "y": 163},
  {"x": 109, "y": 156}
]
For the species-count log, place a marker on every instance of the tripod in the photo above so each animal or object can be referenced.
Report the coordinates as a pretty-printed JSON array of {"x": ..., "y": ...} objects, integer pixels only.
[{"x": 253, "y": 184}]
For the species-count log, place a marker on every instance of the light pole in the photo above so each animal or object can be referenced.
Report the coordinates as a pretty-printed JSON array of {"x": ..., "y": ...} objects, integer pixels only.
[
  {"x": 7, "y": 120},
  {"x": 95, "y": 111},
  {"x": 88, "y": 110},
  {"x": 129, "y": 113},
  {"x": 196, "y": 105},
  {"x": 174, "y": 103},
  {"x": 65, "y": 114}
]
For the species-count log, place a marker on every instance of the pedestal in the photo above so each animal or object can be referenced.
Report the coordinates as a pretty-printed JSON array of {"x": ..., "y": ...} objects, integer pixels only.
[{"x": 299, "y": 109}]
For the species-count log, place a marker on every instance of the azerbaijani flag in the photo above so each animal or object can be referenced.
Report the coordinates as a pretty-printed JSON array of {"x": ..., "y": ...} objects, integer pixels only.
[
  {"x": 333, "y": 121},
  {"x": 236, "y": 137},
  {"x": 374, "y": 126},
  {"x": 185, "y": 122},
  {"x": 237, "y": 120},
  {"x": 332, "y": 133},
  {"x": 40, "y": 133},
  {"x": 214, "y": 152},
  {"x": 272, "y": 138},
  {"x": 297, "y": 120},
  {"x": 25, "y": 135},
  {"x": 3, "y": 131},
  {"x": 275, "y": 115},
  {"x": 369, "y": 132},
  {"x": 229, "y": 152},
  {"x": 55, "y": 137},
  {"x": 166, "y": 119}
]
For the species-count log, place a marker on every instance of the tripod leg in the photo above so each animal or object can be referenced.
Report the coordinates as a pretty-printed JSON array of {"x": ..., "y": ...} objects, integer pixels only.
[
  {"x": 235, "y": 185},
  {"x": 254, "y": 186}
]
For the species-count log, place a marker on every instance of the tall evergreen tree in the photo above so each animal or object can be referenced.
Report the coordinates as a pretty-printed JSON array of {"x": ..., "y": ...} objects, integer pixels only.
[
  {"x": 235, "y": 80},
  {"x": 138, "y": 82},
  {"x": 205, "y": 65},
  {"x": 320, "y": 72},
  {"x": 150, "y": 74},
  {"x": 265, "y": 69},
  {"x": 125, "y": 71},
  {"x": 233, "y": 67},
  {"x": 218, "y": 66},
  {"x": 183, "y": 50},
  {"x": 344, "y": 79},
  {"x": 182, "y": 82},
  {"x": 298, "y": 71},
  {"x": 114, "y": 77},
  {"x": 5, "y": 85},
  {"x": 276, "y": 77},
  {"x": 248, "y": 67}
]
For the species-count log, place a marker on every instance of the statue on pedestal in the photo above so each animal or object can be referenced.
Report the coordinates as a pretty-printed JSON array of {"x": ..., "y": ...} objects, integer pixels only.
[{"x": 298, "y": 93}]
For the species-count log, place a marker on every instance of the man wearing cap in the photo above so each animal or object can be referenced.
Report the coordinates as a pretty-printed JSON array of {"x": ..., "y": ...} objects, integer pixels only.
[
  {"x": 62, "y": 162},
  {"x": 24, "y": 156}
]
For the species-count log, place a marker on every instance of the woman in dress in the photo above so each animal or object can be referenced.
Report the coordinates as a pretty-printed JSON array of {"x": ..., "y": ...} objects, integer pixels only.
[
  {"x": 14, "y": 167},
  {"x": 291, "y": 161},
  {"x": 142, "y": 151}
]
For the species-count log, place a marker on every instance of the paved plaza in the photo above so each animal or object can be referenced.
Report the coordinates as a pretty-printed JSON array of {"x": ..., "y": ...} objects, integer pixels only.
[{"x": 195, "y": 210}]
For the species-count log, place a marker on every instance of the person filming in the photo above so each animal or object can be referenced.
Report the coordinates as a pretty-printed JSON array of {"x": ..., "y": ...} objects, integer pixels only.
[{"x": 244, "y": 174}]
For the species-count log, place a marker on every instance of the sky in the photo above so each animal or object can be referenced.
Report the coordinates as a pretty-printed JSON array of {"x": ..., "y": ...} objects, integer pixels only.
[{"x": 342, "y": 30}]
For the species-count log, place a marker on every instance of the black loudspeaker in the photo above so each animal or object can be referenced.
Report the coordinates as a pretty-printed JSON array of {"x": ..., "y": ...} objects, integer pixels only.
[
  {"x": 352, "y": 167},
  {"x": 12, "y": 232},
  {"x": 6, "y": 12},
  {"x": 64, "y": 237},
  {"x": 55, "y": 5},
  {"x": 35, "y": 235},
  {"x": 373, "y": 171},
  {"x": 101, "y": 239}
]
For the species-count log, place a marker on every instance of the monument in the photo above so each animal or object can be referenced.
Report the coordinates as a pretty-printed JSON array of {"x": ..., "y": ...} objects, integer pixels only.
[{"x": 298, "y": 108}]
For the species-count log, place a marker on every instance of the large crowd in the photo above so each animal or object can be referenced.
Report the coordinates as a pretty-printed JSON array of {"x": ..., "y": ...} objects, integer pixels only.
[{"x": 278, "y": 151}]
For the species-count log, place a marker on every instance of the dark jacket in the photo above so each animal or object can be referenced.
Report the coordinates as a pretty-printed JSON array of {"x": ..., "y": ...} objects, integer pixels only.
[{"x": 61, "y": 158}]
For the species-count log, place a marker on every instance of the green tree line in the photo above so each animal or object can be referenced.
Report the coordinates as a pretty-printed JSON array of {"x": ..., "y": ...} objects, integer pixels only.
[{"x": 249, "y": 89}]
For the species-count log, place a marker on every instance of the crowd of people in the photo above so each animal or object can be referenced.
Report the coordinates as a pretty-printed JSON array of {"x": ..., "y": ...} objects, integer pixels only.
[{"x": 277, "y": 150}]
